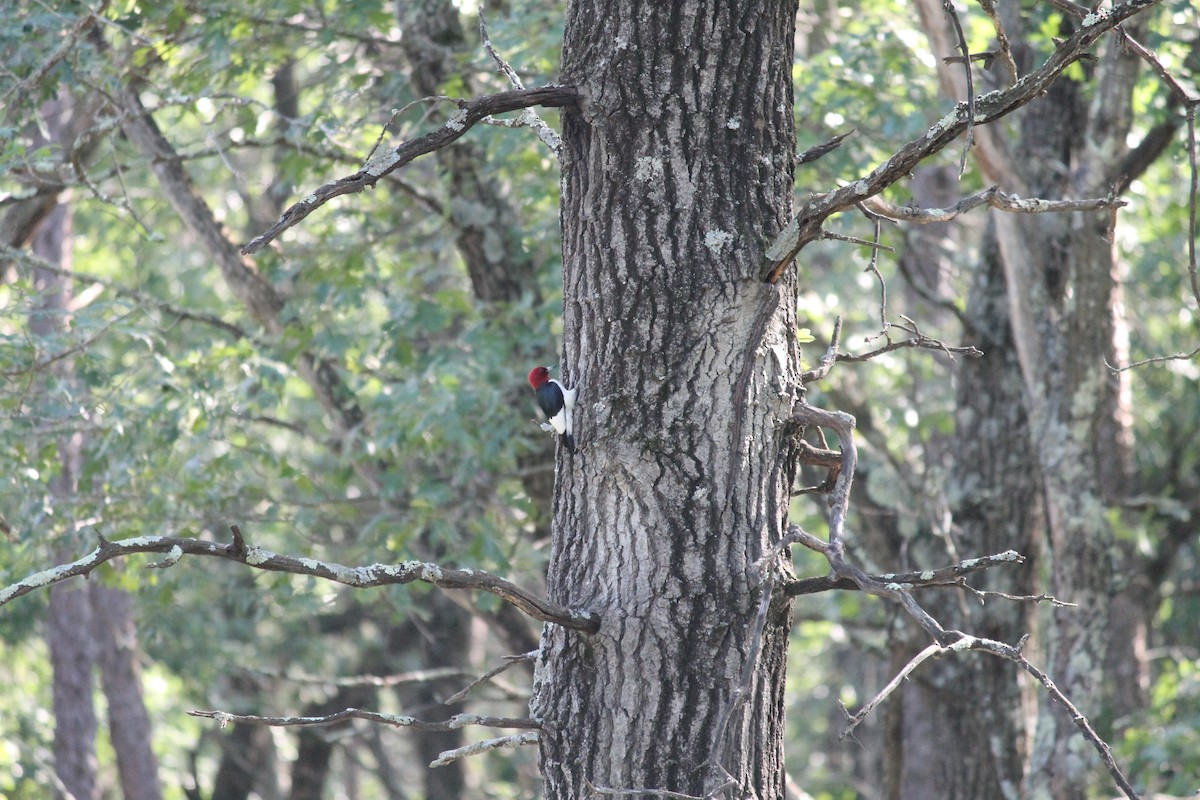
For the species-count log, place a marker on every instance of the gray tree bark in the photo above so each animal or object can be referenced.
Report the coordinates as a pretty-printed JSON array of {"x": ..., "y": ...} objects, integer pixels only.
[{"x": 677, "y": 170}]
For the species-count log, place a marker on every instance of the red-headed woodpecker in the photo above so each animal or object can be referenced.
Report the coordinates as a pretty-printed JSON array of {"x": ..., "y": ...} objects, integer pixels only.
[{"x": 557, "y": 403}]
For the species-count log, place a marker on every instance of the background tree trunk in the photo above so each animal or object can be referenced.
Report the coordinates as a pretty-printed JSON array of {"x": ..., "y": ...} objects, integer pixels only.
[
  {"x": 1064, "y": 311},
  {"x": 677, "y": 168},
  {"x": 121, "y": 677}
]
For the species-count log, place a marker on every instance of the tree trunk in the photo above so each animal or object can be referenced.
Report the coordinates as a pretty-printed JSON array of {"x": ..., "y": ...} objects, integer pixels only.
[
  {"x": 120, "y": 675},
  {"x": 68, "y": 626},
  {"x": 1064, "y": 310},
  {"x": 677, "y": 170},
  {"x": 965, "y": 718}
]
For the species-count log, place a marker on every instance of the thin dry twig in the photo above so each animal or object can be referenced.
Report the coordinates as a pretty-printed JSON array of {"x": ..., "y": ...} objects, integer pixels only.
[
  {"x": 944, "y": 641},
  {"x": 829, "y": 359},
  {"x": 509, "y": 662},
  {"x": 948, "y": 7},
  {"x": 1155, "y": 360},
  {"x": 816, "y": 151},
  {"x": 853, "y": 720},
  {"x": 991, "y": 197},
  {"x": 942, "y": 577},
  {"x": 916, "y": 340},
  {"x": 1006, "y": 57}
]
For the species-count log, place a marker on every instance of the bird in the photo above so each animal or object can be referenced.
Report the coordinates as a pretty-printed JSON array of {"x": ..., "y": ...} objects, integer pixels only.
[{"x": 557, "y": 403}]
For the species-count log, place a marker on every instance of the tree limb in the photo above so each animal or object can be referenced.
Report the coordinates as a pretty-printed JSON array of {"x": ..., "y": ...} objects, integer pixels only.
[
  {"x": 358, "y": 577},
  {"x": 223, "y": 718},
  {"x": 470, "y": 113}
]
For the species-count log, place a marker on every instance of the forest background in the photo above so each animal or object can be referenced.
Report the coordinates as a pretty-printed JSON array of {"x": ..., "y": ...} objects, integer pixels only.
[{"x": 358, "y": 395}]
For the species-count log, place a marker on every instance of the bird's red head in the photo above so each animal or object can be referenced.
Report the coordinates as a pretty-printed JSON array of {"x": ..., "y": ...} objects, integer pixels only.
[{"x": 538, "y": 376}]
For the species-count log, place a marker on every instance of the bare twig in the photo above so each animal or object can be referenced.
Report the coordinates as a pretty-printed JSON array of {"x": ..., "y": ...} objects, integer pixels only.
[
  {"x": 853, "y": 720},
  {"x": 358, "y": 577},
  {"x": 470, "y": 113},
  {"x": 1155, "y": 360},
  {"x": 509, "y": 662},
  {"x": 474, "y": 749},
  {"x": 454, "y": 723},
  {"x": 805, "y": 226},
  {"x": 1006, "y": 56},
  {"x": 942, "y": 577},
  {"x": 948, "y": 7},
  {"x": 916, "y": 340},
  {"x": 1014, "y": 654},
  {"x": 1020, "y": 598},
  {"x": 829, "y": 359}
]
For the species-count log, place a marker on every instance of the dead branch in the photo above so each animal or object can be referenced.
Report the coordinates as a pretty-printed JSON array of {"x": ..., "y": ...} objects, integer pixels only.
[
  {"x": 853, "y": 720},
  {"x": 943, "y": 641},
  {"x": 916, "y": 340},
  {"x": 806, "y": 225},
  {"x": 948, "y": 7},
  {"x": 474, "y": 749},
  {"x": 1002, "y": 42},
  {"x": 829, "y": 359},
  {"x": 1014, "y": 654},
  {"x": 470, "y": 113},
  {"x": 454, "y": 723},
  {"x": 1155, "y": 360},
  {"x": 358, "y": 577},
  {"x": 816, "y": 151},
  {"x": 944, "y": 576},
  {"x": 991, "y": 197}
]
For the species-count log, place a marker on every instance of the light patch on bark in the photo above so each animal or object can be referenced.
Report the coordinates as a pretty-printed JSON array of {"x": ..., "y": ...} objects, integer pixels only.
[
  {"x": 648, "y": 169},
  {"x": 717, "y": 239},
  {"x": 381, "y": 164}
]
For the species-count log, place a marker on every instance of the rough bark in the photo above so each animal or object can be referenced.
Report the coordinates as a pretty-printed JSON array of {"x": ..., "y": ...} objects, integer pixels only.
[{"x": 677, "y": 169}]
